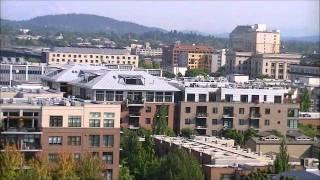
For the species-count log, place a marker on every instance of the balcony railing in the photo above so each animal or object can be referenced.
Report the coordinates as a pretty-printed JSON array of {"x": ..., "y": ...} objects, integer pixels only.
[
  {"x": 134, "y": 114},
  {"x": 202, "y": 115},
  {"x": 23, "y": 130},
  {"x": 255, "y": 115},
  {"x": 135, "y": 102},
  {"x": 201, "y": 126},
  {"x": 133, "y": 126},
  {"x": 228, "y": 115}
]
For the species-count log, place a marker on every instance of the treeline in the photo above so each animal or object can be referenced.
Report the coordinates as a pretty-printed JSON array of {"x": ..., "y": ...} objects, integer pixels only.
[{"x": 13, "y": 166}]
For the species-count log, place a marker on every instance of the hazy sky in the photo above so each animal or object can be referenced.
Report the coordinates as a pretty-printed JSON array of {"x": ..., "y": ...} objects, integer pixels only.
[{"x": 296, "y": 18}]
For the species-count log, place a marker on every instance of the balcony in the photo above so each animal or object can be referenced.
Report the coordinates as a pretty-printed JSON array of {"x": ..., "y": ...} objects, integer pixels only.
[
  {"x": 202, "y": 115},
  {"x": 23, "y": 130},
  {"x": 201, "y": 126},
  {"x": 135, "y": 102},
  {"x": 227, "y": 123},
  {"x": 228, "y": 115},
  {"x": 255, "y": 115},
  {"x": 134, "y": 114},
  {"x": 133, "y": 123},
  {"x": 254, "y": 123},
  {"x": 133, "y": 126}
]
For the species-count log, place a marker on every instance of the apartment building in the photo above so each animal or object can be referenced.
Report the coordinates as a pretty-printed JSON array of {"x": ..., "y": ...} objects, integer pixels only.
[
  {"x": 93, "y": 56},
  {"x": 273, "y": 65},
  {"x": 219, "y": 158},
  {"x": 196, "y": 61},
  {"x": 53, "y": 125},
  {"x": 22, "y": 73},
  {"x": 147, "y": 51},
  {"x": 218, "y": 59},
  {"x": 170, "y": 58},
  {"x": 210, "y": 107},
  {"x": 139, "y": 93},
  {"x": 255, "y": 38}
]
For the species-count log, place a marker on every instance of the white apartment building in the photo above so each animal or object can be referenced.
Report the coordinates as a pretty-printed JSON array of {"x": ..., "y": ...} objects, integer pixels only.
[
  {"x": 93, "y": 56},
  {"x": 218, "y": 59}
]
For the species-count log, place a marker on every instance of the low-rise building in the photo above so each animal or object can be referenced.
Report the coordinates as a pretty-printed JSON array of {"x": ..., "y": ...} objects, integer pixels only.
[
  {"x": 298, "y": 145},
  {"x": 210, "y": 107},
  {"x": 219, "y": 158},
  {"x": 310, "y": 119},
  {"x": 93, "y": 56}
]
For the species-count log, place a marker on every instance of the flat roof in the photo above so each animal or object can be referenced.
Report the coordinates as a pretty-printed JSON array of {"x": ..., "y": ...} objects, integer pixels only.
[{"x": 105, "y": 51}]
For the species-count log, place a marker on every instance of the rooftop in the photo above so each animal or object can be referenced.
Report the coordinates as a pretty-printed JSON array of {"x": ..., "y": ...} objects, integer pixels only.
[
  {"x": 106, "y": 51},
  {"x": 222, "y": 151}
]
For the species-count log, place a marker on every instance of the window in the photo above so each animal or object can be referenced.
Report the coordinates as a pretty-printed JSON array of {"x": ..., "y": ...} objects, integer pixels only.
[
  {"x": 108, "y": 174},
  {"x": 107, "y": 157},
  {"x": 150, "y": 97},
  {"x": 55, "y": 140},
  {"x": 108, "y": 119},
  {"x": 241, "y": 110},
  {"x": 99, "y": 95},
  {"x": 148, "y": 120},
  {"x": 74, "y": 121},
  {"x": 56, "y": 121},
  {"x": 94, "y": 119},
  {"x": 159, "y": 96},
  {"x": 267, "y": 111},
  {"x": 215, "y": 110},
  {"x": 265, "y": 98},
  {"x": 267, "y": 122},
  {"x": 292, "y": 123},
  {"x": 277, "y": 99},
  {"x": 202, "y": 97},
  {"x": 188, "y": 109},
  {"x": 191, "y": 97},
  {"x": 94, "y": 140},
  {"x": 278, "y": 122},
  {"x": 76, "y": 156},
  {"x": 108, "y": 140},
  {"x": 74, "y": 140},
  {"x": 244, "y": 98},
  {"x": 214, "y": 121},
  {"x": 148, "y": 109},
  {"x": 52, "y": 157},
  {"x": 242, "y": 122},
  {"x": 119, "y": 95},
  {"x": 188, "y": 121}
]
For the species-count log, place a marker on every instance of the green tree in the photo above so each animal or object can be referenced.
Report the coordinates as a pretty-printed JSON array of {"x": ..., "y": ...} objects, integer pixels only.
[
  {"x": 160, "y": 124},
  {"x": 258, "y": 175},
  {"x": 124, "y": 172},
  {"x": 179, "y": 165},
  {"x": 65, "y": 168},
  {"x": 281, "y": 162},
  {"x": 195, "y": 72},
  {"x": 305, "y": 100},
  {"x": 11, "y": 162},
  {"x": 89, "y": 167},
  {"x": 39, "y": 169},
  {"x": 319, "y": 160},
  {"x": 308, "y": 130},
  {"x": 188, "y": 132}
]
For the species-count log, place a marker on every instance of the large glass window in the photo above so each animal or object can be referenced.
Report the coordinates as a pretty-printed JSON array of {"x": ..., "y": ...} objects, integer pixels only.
[
  {"x": 94, "y": 119},
  {"x": 168, "y": 96},
  {"x": 202, "y": 97},
  {"x": 74, "y": 121},
  {"x": 94, "y": 140},
  {"x": 99, "y": 95},
  {"x": 119, "y": 95},
  {"x": 56, "y": 121},
  {"x": 159, "y": 97},
  {"x": 108, "y": 140},
  {"x": 108, "y": 119},
  {"x": 191, "y": 97},
  {"x": 292, "y": 123},
  {"x": 150, "y": 96},
  {"x": 109, "y": 95}
]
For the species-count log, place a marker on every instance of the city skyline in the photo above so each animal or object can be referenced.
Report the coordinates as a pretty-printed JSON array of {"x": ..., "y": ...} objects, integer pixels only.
[{"x": 214, "y": 17}]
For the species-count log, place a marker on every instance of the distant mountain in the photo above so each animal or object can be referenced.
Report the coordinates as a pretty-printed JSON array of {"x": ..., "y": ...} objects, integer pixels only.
[
  {"x": 81, "y": 23},
  {"x": 302, "y": 38}
]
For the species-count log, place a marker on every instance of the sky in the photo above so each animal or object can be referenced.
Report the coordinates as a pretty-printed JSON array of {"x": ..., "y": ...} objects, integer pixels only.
[{"x": 292, "y": 18}]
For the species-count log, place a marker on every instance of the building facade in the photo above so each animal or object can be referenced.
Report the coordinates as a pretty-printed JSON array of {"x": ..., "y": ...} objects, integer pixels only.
[
  {"x": 16, "y": 72},
  {"x": 238, "y": 62},
  {"x": 275, "y": 66},
  {"x": 218, "y": 60},
  {"x": 171, "y": 54},
  {"x": 51, "y": 126},
  {"x": 255, "y": 38},
  {"x": 93, "y": 56}
]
